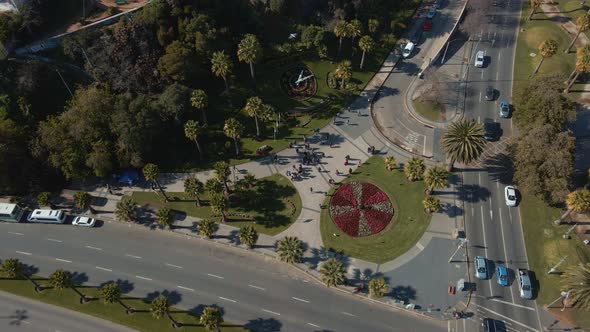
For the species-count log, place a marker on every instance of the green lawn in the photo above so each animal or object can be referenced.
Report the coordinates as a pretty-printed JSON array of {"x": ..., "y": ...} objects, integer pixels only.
[
  {"x": 429, "y": 110},
  {"x": 405, "y": 229},
  {"x": 274, "y": 204},
  {"x": 141, "y": 320}
]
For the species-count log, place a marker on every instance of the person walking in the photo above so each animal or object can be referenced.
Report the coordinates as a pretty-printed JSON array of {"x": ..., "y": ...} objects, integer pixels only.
[
  {"x": 311, "y": 190},
  {"x": 347, "y": 122}
]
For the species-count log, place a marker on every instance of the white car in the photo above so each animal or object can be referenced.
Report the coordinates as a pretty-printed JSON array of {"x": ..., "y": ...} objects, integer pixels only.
[
  {"x": 408, "y": 50},
  {"x": 479, "y": 59},
  {"x": 510, "y": 195},
  {"x": 84, "y": 221},
  {"x": 481, "y": 268},
  {"x": 524, "y": 284}
]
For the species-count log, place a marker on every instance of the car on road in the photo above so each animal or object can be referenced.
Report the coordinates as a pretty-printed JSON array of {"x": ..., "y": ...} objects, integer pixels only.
[
  {"x": 489, "y": 325},
  {"x": 524, "y": 284},
  {"x": 491, "y": 130},
  {"x": 84, "y": 221},
  {"x": 431, "y": 13},
  {"x": 504, "y": 109},
  {"x": 502, "y": 275},
  {"x": 510, "y": 195},
  {"x": 481, "y": 268},
  {"x": 490, "y": 93},
  {"x": 427, "y": 25},
  {"x": 479, "y": 59},
  {"x": 408, "y": 50}
]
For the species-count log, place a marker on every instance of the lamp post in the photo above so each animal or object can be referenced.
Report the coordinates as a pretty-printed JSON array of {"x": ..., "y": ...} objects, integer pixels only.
[
  {"x": 462, "y": 244},
  {"x": 553, "y": 269}
]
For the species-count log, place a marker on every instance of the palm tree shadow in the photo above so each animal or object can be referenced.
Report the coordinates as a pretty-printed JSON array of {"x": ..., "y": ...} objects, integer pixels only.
[
  {"x": 500, "y": 167},
  {"x": 173, "y": 297},
  {"x": 263, "y": 325}
]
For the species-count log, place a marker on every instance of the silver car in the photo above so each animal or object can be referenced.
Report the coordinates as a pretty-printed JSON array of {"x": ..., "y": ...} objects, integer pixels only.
[
  {"x": 481, "y": 268},
  {"x": 84, "y": 221},
  {"x": 510, "y": 195},
  {"x": 524, "y": 284}
]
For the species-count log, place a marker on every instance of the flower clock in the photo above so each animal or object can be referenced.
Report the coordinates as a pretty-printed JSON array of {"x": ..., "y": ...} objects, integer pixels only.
[{"x": 360, "y": 209}]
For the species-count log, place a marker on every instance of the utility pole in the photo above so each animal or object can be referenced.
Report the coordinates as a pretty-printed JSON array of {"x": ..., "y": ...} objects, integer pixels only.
[{"x": 462, "y": 244}]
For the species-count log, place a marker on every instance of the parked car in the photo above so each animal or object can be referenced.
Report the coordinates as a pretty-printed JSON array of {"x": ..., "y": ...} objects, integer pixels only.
[
  {"x": 431, "y": 13},
  {"x": 510, "y": 195},
  {"x": 504, "y": 109},
  {"x": 481, "y": 268},
  {"x": 489, "y": 325},
  {"x": 427, "y": 25},
  {"x": 502, "y": 275},
  {"x": 524, "y": 284},
  {"x": 491, "y": 130},
  {"x": 263, "y": 150},
  {"x": 84, "y": 221},
  {"x": 479, "y": 59},
  {"x": 408, "y": 50},
  {"x": 490, "y": 93}
]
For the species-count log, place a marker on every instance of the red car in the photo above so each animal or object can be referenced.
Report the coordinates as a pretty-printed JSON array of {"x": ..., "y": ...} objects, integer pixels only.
[{"x": 427, "y": 25}]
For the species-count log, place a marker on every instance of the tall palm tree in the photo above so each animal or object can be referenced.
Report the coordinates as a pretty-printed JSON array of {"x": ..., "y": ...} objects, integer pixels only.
[
  {"x": 219, "y": 205},
  {"x": 343, "y": 72},
  {"x": 290, "y": 249},
  {"x": 249, "y": 180},
  {"x": 576, "y": 280},
  {"x": 373, "y": 24},
  {"x": 332, "y": 272},
  {"x": 547, "y": 49},
  {"x": 206, "y": 228},
  {"x": 61, "y": 279},
  {"x": 126, "y": 209},
  {"x": 82, "y": 200},
  {"x": 250, "y": 51},
  {"x": 110, "y": 293},
  {"x": 44, "y": 199},
  {"x": 192, "y": 130},
  {"x": 159, "y": 307},
  {"x": 193, "y": 188},
  {"x": 151, "y": 172},
  {"x": 222, "y": 172},
  {"x": 256, "y": 109},
  {"x": 534, "y": 6},
  {"x": 414, "y": 169},
  {"x": 341, "y": 31},
  {"x": 211, "y": 318},
  {"x": 164, "y": 217},
  {"x": 200, "y": 101},
  {"x": 13, "y": 268},
  {"x": 213, "y": 187},
  {"x": 355, "y": 29},
  {"x": 576, "y": 201},
  {"x": 431, "y": 204},
  {"x": 221, "y": 66},
  {"x": 234, "y": 129},
  {"x": 583, "y": 24},
  {"x": 367, "y": 44},
  {"x": 248, "y": 235},
  {"x": 582, "y": 66},
  {"x": 390, "y": 163},
  {"x": 435, "y": 178},
  {"x": 378, "y": 287},
  {"x": 463, "y": 142}
]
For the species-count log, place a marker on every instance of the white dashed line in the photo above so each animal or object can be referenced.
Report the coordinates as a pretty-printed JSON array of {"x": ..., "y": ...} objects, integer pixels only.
[
  {"x": 23, "y": 253},
  {"x": 132, "y": 256},
  {"x": 15, "y": 233},
  {"x": 298, "y": 299},
  {"x": 317, "y": 326},
  {"x": 172, "y": 265},
  {"x": 348, "y": 314},
  {"x": 144, "y": 278},
  {"x": 214, "y": 276},
  {"x": 93, "y": 248},
  {"x": 271, "y": 312},
  {"x": 103, "y": 268},
  {"x": 55, "y": 240},
  {"x": 260, "y": 288},
  {"x": 226, "y": 299},
  {"x": 186, "y": 288},
  {"x": 63, "y": 260}
]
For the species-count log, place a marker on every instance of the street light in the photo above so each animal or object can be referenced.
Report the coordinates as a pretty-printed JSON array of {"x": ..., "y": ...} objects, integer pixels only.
[
  {"x": 553, "y": 269},
  {"x": 462, "y": 244}
]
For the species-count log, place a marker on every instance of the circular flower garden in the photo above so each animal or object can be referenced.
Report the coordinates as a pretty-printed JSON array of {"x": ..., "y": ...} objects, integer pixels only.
[{"x": 360, "y": 209}]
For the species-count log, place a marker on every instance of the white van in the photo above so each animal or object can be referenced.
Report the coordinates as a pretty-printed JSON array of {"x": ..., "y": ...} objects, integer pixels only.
[
  {"x": 10, "y": 212},
  {"x": 47, "y": 216},
  {"x": 408, "y": 50}
]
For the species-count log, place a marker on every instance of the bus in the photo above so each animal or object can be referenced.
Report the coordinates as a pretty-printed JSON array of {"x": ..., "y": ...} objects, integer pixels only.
[
  {"x": 10, "y": 212},
  {"x": 47, "y": 216}
]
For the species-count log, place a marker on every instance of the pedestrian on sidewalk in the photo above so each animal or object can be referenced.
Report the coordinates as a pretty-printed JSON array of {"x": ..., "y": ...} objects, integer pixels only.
[
  {"x": 350, "y": 171},
  {"x": 337, "y": 172},
  {"x": 311, "y": 190},
  {"x": 109, "y": 189},
  {"x": 347, "y": 122},
  {"x": 346, "y": 162}
]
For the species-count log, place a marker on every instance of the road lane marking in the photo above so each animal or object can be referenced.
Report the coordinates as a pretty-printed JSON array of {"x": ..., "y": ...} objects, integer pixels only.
[
  {"x": 16, "y": 233},
  {"x": 176, "y": 266},
  {"x": 316, "y": 326},
  {"x": 491, "y": 214},
  {"x": 214, "y": 276},
  {"x": 499, "y": 56},
  {"x": 144, "y": 278},
  {"x": 298, "y": 299},
  {"x": 93, "y": 248},
  {"x": 348, "y": 314},
  {"x": 507, "y": 318},
  {"x": 186, "y": 288},
  {"x": 505, "y": 252},
  {"x": 260, "y": 288},
  {"x": 54, "y": 240},
  {"x": 513, "y": 304},
  {"x": 271, "y": 312},
  {"x": 226, "y": 299},
  {"x": 480, "y": 96},
  {"x": 63, "y": 260},
  {"x": 103, "y": 268},
  {"x": 420, "y": 246},
  {"x": 23, "y": 253},
  {"x": 132, "y": 256}
]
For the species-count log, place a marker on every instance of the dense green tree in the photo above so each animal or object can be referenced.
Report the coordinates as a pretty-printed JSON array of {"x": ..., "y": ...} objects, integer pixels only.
[
  {"x": 193, "y": 188},
  {"x": 248, "y": 235},
  {"x": 177, "y": 63},
  {"x": 211, "y": 318},
  {"x": 164, "y": 217},
  {"x": 206, "y": 228},
  {"x": 174, "y": 102},
  {"x": 200, "y": 101},
  {"x": 10, "y": 23},
  {"x": 463, "y": 142},
  {"x": 378, "y": 287},
  {"x": 250, "y": 51},
  {"x": 583, "y": 24},
  {"x": 219, "y": 205},
  {"x": 234, "y": 130},
  {"x": 221, "y": 66},
  {"x": 126, "y": 209},
  {"x": 366, "y": 44},
  {"x": 436, "y": 177},
  {"x": 82, "y": 200},
  {"x": 61, "y": 279},
  {"x": 15, "y": 162},
  {"x": 313, "y": 36},
  {"x": 576, "y": 281},
  {"x": 332, "y": 272},
  {"x": 414, "y": 169},
  {"x": 44, "y": 199},
  {"x": 290, "y": 249},
  {"x": 256, "y": 109},
  {"x": 192, "y": 131}
]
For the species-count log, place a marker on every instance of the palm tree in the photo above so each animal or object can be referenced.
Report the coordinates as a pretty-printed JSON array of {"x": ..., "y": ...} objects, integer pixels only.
[
  {"x": 44, "y": 199},
  {"x": 213, "y": 187},
  {"x": 82, "y": 200},
  {"x": 355, "y": 29},
  {"x": 221, "y": 66},
  {"x": 110, "y": 293},
  {"x": 248, "y": 235},
  {"x": 221, "y": 169},
  {"x": 250, "y": 51},
  {"x": 343, "y": 72},
  {"x": 463, "y": 142},
  {"x": 193, "y": 187},
  {"x": 61, "y": 279},
  {"x": 211, "y": 318},
  {"x": 126, "y": 209},
  {"x": 206, "y": 228},
  {"x": 576, "y": 201},
  {"x": 219, "y": 205},
  {"x": 192, "y": 130},
  {"x": 200, "y": 101},
  {"x": 414, "y": 169},
  {"x": 534, "y": 6},
  {"x": 582, "y": 66},
  {"x": 378, "y": 287},
  {"x": 290, "y": 249},
  {"x": 151, "y": 172},
  {"x": 13, "y": 268},
  {"x": 547, "y": 49},
  {"x": 373, "y": 25},
  {"x": 164, "y": 217},
  {"x": 366, "y": 44},
  {"x": 249, "y": 180},
  {"x": 390, "y": 163},
  {"x": 256, "y": 109},
  {"x": 234, "y": 129},
  {"x": 583, "y": 24},
  {"x": 159, "y": 307},
  {"x": 341, "y": 31},
  {"x": 576, "y": 280},
  {"x": 332, "y": 272},
  {"x": 431, "y": 204},
  {"x": 435, "y": 178}
]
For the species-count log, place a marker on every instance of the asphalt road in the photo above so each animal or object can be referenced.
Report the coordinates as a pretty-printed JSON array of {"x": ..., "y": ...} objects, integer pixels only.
[
  {"x": 25, "y": 315},
  {"x": 264, "y": 295}
]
